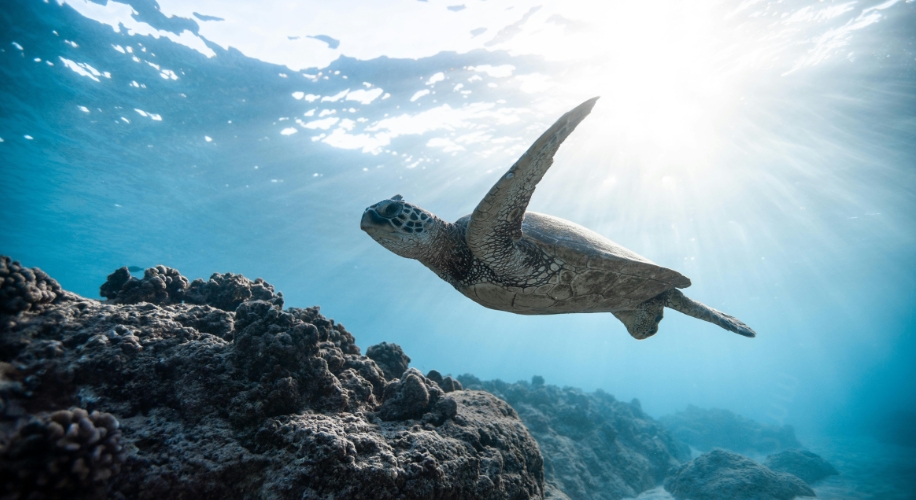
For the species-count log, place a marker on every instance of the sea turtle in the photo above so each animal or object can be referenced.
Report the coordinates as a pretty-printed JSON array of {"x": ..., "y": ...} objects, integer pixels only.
[{"x": 505, "y": 258}]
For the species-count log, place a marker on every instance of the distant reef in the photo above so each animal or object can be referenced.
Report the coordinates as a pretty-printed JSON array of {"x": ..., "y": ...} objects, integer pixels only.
[
  {"x": 706, "y": 429},
  {"x": 210, "y": 389},
  {"x": 723, "y": 475},
  {"x": 172, "y": 388},
  {"x": 594, "y": 446}
]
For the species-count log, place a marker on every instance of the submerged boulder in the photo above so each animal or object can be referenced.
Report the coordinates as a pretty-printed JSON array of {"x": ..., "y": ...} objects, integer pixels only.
[
  {"x": 810, "y": 467},
  {"x": 162, "y": 398},
  {"x": 723, "y": 475},
  {"x": 705, "y": 429},
  {"x": 593, "y": 445},
  {"x": 390, "y": 358}
]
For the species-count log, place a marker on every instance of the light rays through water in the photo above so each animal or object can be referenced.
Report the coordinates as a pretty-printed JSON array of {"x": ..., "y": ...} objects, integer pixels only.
[{"x": 761, "y": 148}]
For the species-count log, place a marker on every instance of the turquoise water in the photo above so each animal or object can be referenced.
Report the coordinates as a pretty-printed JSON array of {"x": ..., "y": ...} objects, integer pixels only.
[{"x": 765, "y": 150}]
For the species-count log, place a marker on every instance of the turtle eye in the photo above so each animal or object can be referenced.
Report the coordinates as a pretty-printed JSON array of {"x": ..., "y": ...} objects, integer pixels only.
[{"x": 388, "y": 208}]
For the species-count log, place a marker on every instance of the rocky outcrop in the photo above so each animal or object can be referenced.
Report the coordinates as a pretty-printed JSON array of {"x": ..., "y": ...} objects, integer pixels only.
[
  {"x": 594, "y": 446},
  {"x": 722, "y": 475},
  {"x": 705, "y": 429},
  {"x": 390, "y": 358},
  {"x": 163, "y": 285},
  {"x": 160, "y": 285},
  {"x": 227, "y": 291},
  {"x": 808, "y": 466},
  {"x": 167, "y": 399},
  {"x": 447, "y": 383}
]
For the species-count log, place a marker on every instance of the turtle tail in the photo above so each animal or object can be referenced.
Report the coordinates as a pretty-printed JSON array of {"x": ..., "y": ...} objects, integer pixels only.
[{"x": 676, "y": 300}]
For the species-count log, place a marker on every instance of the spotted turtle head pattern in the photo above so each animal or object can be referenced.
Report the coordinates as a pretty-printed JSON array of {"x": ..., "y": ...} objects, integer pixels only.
[{"x": 401, "y": 227}]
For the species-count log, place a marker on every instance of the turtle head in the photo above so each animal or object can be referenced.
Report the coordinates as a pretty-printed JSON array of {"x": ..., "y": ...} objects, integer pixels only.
[{"x": 405, "y": 229}]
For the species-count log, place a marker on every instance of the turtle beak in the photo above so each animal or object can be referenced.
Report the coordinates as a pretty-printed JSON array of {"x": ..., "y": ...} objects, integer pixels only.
[{"x": 372, "y": 220}]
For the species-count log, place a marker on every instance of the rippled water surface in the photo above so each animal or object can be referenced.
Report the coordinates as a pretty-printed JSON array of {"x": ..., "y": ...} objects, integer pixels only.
[{"x": 765, "y": 149}]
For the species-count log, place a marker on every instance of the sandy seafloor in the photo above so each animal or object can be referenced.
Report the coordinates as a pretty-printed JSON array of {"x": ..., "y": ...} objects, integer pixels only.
[{"x": 869, "y": 470}]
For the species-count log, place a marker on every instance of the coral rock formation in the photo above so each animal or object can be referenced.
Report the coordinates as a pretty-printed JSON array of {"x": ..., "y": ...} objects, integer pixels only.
[
  {"x": 160, "y": 285},
  {"x": 447, "y": 383},
  {"x": 722, "y": 475},
  {"x": 593, "y": 445},
  {"x": 255, "y": 402},
  {"x": 705, "y": 429},
  {"x": 65, "y": 453},
  {"x": 810, "y": 467},
  {"x": 390, "y": 358},
  {"x": 23, "y": 288},
  {"x": 227, "y": 291}
]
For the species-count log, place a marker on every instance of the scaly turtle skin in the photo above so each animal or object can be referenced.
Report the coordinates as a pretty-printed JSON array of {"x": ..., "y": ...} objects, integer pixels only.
[{"x": 505, "y": 258}]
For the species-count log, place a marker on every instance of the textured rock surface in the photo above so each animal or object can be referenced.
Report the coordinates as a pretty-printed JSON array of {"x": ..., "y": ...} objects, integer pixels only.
[
  {"x": 808, "y": 466},
  {"x": 722, "y": 475},
  {"x": 23, "y": 288},
  {"x": 61, "y": 454},
  {"x": 390, "y": 358},
  {"x": 594, "y": 446},
  {"x": 714, "y": 428},
  {"x": 447, "y": 383},
  {"x": 160, "y": 285},
  {"x": 227, "y": 291},
  {"x": 258, "y": 402}
]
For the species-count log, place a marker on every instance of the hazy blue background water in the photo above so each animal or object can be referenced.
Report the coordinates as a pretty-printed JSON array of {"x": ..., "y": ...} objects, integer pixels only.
[{"x": 765, "y": 150}]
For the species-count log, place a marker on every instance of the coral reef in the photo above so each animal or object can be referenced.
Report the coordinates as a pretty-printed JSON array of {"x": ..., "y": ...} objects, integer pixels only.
[
  {"x": 723, "y": 475},
  {"x": 705, "y": 429},
  {"x": 23, "y": 288},
  {"x": 160, "y": 285},
  {"x": 593, "y": 445},
  {"x": 163, "y": 285},
  {"x": 253, "y": 402},
  {"x": 227, "y": 291},
  {"x": 390, "y": 358},
  {"x": 810, "y": 467},
  {"x": 66, "y": 453}
]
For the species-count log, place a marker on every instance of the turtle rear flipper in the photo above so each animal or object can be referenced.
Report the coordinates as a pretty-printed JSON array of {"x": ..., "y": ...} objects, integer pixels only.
[
  {"x": 642, "y": 321},
  {"x": 676, "y": 300}
]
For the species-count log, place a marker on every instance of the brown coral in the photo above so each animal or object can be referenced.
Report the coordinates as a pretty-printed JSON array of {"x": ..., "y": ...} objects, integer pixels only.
[{"x": 62, "y": 453}]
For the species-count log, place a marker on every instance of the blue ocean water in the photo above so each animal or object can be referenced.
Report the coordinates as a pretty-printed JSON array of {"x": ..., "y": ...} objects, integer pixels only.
[{"x": 763, "y": 149}]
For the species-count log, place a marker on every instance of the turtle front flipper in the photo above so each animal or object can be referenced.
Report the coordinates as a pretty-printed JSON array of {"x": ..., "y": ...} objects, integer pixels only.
[
  {"x": 496, "y": 224},
  {"x": 676, "y": 300}
]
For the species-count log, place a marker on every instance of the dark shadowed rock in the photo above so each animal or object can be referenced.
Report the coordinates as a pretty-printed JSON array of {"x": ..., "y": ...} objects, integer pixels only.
[
  {"x": 227, "y": 291},
  {"x": 447, "y": 383},
  {"x": 594, "y": 446},
  {"x": 390, "y": 358},
  {"x": 802, "y": 463},
  {"x": 160, "y": 285},
  {"x": 257, "y": 402},
  {"x": 723, "y": 475},
  {"x": 715, "y": 428},
  {"x": 409, "y": 397},
  {"x": 68, "y": 452}
]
